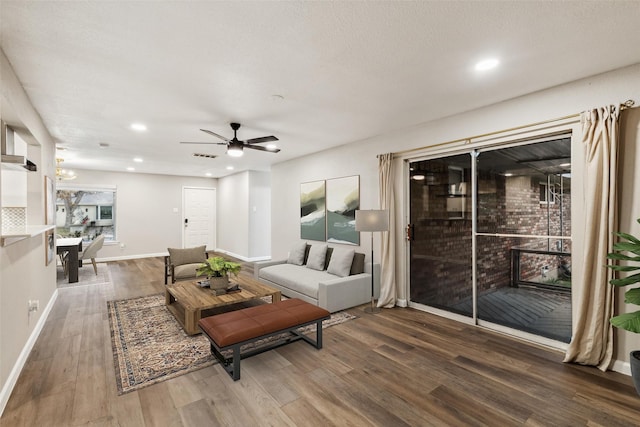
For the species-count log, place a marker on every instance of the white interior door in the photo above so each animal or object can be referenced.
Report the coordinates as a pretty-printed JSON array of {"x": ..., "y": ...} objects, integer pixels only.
[{"x": 199, "y": 221}]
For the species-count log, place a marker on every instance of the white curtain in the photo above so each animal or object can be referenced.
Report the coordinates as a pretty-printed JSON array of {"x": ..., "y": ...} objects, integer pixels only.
[
  {"x": 388, "y": 253},
  {"x": 592, "y": 342}
]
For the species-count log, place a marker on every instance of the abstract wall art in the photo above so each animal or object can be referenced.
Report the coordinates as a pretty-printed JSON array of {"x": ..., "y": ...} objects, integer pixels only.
[
  {"x": 343, "y": 199},
  {"x": 313, "y": 211}
]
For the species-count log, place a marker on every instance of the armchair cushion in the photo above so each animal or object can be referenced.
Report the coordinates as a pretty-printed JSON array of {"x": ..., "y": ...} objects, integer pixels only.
[{"x": 187, "y": 256}]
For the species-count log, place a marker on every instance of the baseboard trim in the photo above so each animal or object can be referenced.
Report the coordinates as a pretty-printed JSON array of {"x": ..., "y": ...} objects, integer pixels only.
[
  {"x": 126, "y": 257},
  {"x": 161, "y": 254},
  {"x": 24, "y": 354},
  {"x": 621, "y": 367},
  {"x": 244, "y": 258}
]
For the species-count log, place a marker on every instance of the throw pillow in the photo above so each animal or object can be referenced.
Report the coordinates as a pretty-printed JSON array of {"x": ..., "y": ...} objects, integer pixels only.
[
  {"x": 187, "y": 255},
  {"x": 316, "y": 257},
  {"x": 340, "y": 263},
  {"x": 296, "y": 254}
]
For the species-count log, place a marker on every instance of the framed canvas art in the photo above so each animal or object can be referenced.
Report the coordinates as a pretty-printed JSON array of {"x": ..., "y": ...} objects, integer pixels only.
[
  {"x": 49, "y": 201},
  {"x": 343, "y": 199},
  {"x": 50, "y": 246},
  {"x": 312, "y": 211}
]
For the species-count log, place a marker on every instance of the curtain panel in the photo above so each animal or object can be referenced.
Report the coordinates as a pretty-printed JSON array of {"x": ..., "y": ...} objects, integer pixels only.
[
  {"x": 388, "y": 294},
  {"x": 592, "y": 341}
]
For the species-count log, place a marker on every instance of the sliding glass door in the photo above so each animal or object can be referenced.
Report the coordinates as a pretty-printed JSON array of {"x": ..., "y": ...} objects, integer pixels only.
[
  {"x": 441, "y": 256},
  {"x": 520, "y": 228}
]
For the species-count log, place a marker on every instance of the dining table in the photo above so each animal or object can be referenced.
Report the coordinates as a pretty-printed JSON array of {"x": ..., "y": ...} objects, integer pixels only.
[{"x": 72, "y": 247}]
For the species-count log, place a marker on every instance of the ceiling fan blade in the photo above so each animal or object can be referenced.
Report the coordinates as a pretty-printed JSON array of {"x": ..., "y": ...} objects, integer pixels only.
[
  {"x": 261, "y": 139},
  {"x": 204, "y": 143},
  {"x": 214, "y": 134},
  {"x": 257, "y": 147}
]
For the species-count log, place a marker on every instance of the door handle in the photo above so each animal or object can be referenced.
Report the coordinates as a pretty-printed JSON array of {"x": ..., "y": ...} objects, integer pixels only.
[
  {"x": 186, "y": 222},
  {"x": 410, "y": 232}
]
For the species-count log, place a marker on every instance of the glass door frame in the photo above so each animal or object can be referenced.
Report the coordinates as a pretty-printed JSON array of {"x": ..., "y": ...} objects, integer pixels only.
[{"x": 494, "y": 143}]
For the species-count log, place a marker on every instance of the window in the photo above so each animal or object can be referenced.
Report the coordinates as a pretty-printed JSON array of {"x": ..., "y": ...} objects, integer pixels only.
[{"x": 86, "y": 211}]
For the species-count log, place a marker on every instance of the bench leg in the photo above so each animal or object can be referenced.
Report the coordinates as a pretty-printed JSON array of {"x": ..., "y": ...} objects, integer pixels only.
[
  {"x": 236, "y": 363},
  {"x": 230, "y": 365}
]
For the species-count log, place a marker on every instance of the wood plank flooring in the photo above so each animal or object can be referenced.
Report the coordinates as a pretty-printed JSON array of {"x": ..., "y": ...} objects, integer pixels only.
[{"x": 401, "y": 367}]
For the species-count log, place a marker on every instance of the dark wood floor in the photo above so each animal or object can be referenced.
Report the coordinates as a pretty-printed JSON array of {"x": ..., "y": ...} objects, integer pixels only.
[{"x": 400, "y": 367}]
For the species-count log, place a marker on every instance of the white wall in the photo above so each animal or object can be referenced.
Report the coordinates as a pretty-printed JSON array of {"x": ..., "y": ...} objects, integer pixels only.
[
  {"x": 244, "y": 215},
  {"x": 233, "y": 214},
  {"x": 629, "y": 207},
  {"x": 146, "y": 224},
  {"x": 259, "y": 215},
  {"x": 359, "y": 158},
  {"x": 23, "y": 273}
]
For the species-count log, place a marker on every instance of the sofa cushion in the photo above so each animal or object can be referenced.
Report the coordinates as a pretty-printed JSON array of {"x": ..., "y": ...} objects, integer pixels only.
[
  {"x": 316, "y": 257},
  {"x": 187, "y": 255},
  {"x": 341, "y": 260},
  {"x": 296, "y": 254},
  {"x": 299, "y": 279},
  {"x": 357, "y": 266}
]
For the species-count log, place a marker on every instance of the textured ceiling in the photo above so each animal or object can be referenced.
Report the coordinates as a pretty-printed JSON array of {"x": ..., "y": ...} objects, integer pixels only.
[{"x": 347, "y": 70}]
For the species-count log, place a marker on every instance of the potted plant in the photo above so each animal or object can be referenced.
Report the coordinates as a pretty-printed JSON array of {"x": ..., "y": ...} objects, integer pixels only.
[
  {"x": 628, "y": 321},
  {"x": 217, "y": 270}
]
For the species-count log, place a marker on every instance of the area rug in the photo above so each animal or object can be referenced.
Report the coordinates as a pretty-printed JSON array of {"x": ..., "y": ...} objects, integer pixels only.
[
  {"x": 150, "y": 346},
  {"x": 86, "y": 275}
]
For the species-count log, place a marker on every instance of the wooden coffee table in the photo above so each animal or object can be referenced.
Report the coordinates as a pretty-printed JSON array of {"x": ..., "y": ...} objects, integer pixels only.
[{"x": 186, "y": 300}]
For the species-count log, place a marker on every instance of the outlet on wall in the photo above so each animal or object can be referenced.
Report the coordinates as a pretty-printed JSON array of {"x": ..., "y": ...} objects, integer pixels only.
[{"x": 33, "y": 305}]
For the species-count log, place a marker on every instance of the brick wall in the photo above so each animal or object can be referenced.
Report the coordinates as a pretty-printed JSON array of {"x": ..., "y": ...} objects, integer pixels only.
[{"x": 441, "y": 251}]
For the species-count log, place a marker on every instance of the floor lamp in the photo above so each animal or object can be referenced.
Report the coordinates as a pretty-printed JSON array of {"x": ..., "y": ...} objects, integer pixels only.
[{"x": 372, "y": 221}]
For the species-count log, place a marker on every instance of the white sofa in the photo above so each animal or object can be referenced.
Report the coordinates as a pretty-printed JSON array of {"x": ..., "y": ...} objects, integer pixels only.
[{"x": 321, "y": 287}]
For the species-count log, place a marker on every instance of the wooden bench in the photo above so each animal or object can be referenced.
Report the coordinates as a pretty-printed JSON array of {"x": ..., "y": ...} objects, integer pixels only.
[{"x": 232, "y": 330}]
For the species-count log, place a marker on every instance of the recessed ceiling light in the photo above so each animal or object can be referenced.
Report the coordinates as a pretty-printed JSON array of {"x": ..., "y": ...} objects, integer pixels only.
[
  {"x": 271, "y": 146},
  {"x": 508, "y": 174},
  {"x": 418, "y": 177},
  {"x": 208, "y": 174},
  {"x": 138, "y": 159},
  {"x": 229, "y": 168},
  {"x": 565, "y": 165},
  {"x": 138, "y": 127},
  {"x": 130, "y": 169},
  {"x": 487, "y": 64}
]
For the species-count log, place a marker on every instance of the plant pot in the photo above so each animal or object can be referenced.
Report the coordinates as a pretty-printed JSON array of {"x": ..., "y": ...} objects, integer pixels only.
[
  {"x": 219, "y": 283},
  {"x": 634, "y": 361}
]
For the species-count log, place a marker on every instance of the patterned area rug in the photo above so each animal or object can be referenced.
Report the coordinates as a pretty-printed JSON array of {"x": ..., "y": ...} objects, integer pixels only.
[{"x": 149, "y": 345}]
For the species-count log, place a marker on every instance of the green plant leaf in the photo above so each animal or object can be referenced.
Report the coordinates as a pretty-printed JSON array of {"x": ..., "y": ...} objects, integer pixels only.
[
  {"x": 623, "y": 257},
  {"x": 627, "y": 247},
  {"x": 632, "y": 296},
  {"x": 624, "y": 267},
  {"x": 627, "y": 321},
  {"x": 626, "y": 280},
  {"x": 629, "y": 237}
]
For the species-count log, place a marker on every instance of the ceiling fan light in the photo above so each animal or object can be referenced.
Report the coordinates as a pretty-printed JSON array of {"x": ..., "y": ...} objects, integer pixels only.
[{"x": 234, "y": 151}]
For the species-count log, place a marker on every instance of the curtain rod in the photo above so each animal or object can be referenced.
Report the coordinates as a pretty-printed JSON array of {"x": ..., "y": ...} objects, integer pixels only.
[{"x": 623, "y": 106}]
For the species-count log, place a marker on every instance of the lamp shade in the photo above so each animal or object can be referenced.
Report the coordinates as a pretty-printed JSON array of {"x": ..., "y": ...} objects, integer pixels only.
[{"x": 372, "y": 220}]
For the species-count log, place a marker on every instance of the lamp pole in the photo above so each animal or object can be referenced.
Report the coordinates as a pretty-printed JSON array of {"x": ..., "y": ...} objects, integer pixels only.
[{"x": 373, "y": 309}]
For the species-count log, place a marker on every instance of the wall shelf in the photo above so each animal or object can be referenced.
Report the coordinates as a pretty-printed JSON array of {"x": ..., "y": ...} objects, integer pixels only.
[{"x": 10, "y": 236}]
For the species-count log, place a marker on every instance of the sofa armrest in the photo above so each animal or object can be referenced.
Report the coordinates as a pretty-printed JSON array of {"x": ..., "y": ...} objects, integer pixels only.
[
  {"x": 346, "y": 292},
  {"x": 262, "y": 264}
]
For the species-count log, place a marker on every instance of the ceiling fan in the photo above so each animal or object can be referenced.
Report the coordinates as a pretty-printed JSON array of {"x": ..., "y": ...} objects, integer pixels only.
[{"x": 235, "y": 146}]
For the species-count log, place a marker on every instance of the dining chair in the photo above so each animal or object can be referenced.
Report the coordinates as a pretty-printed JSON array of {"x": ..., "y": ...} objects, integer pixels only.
[{"x": 92, "y": 250}]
